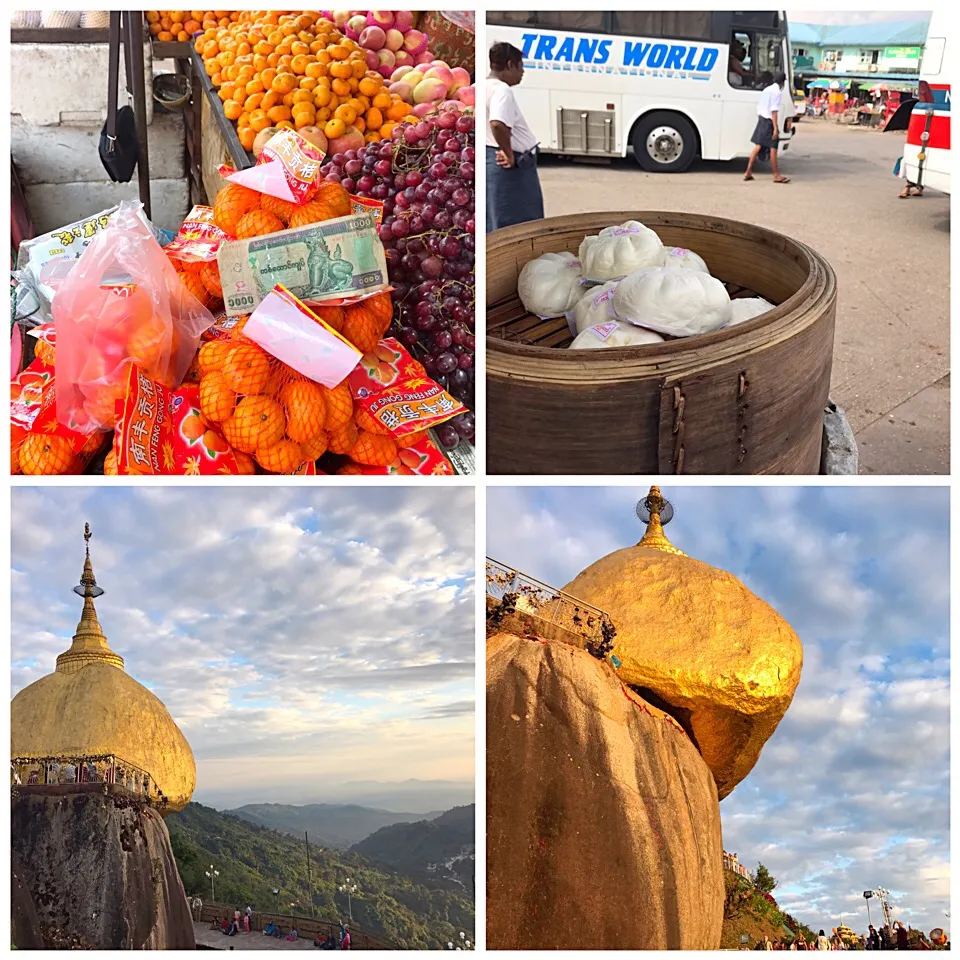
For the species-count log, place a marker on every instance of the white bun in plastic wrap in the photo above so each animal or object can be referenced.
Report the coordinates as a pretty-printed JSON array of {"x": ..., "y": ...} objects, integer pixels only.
[
  {"x": 746, "y": 308},
  {"x": 596, "y": 306},
  {"x": 677, "y": 303},
  {"x": 617, "y": 251},
  {"x": 549, "y": 286},
  {"x": 614, "y": 333},
  {"x": 681, "y": 257}
]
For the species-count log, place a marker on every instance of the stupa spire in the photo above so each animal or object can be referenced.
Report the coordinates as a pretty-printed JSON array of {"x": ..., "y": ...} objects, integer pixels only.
[
  {"x": 89, "y": 643},
  {"x": 657, "y": 511}
]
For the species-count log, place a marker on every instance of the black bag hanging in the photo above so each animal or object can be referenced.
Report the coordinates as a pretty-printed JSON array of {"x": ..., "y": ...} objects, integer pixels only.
[{"x": 119, "y": 147}]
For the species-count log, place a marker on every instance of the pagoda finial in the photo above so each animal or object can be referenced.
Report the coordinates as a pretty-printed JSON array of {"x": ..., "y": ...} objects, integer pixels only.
[
  {"x": 656, "y": 511},
  {"x": 89, "y": 643}
]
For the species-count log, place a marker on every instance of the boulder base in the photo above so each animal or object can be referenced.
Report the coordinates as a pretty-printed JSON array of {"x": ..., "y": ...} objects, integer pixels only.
[
  {"x": 100, "y": 870},
  {"x": 603, "y": 822}
]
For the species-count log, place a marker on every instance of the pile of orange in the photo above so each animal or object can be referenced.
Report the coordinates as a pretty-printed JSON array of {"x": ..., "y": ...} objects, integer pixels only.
[
  {"x": 295, "y": 70},
  {"x": 183, "y": 24}
]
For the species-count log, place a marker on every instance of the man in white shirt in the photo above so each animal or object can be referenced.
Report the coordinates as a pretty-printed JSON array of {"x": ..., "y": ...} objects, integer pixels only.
[
  {"x": 513, "y": 187},
  {"x": 766, "y": 134}
]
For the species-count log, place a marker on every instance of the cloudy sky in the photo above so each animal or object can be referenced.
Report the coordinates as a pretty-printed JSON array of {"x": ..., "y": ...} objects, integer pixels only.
[
  {"x": 852, "y": 792},
  {"x": 323, "y": 635},
  {"x": 843, "y": 18}
]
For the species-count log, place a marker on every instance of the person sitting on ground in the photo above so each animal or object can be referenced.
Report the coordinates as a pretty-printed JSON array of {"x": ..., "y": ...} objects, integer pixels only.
[
  {"x": 268, "y": 929},
  {"x": 292, "y": 935},
  {"x": 278, "y": 931}
]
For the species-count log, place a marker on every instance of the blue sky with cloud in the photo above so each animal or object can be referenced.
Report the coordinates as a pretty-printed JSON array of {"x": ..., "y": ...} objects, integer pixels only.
[
  {"x": 852, "y": 791},
  {"x": 303, "y": 639}
]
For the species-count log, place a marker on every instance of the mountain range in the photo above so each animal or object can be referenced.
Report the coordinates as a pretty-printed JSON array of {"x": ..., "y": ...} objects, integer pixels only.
[{"x": 338, "y": 825}]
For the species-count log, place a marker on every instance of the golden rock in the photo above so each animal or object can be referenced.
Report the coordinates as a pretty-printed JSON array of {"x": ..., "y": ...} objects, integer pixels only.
[
  {"x": 91, "y": 707},
  {"x": 694, "y": 640},
  {"x": 603, "y": 827}
]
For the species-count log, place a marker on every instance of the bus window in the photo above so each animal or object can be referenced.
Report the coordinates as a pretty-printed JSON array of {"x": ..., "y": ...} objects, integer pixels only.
[
  {"x": 587, "y": 21},
  {"x": 752, "y": 57},
  {"x": 512, "y": 18},
  {"x": 767, "y": 48},
  {"x": 740, "y": 72},
  {"x": 676, "y": 24}
]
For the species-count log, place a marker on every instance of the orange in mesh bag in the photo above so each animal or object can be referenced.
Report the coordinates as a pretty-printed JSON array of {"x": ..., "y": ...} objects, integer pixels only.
[
  {"x": 263, "y": 408},
  {"x": 123, "y": 304}
]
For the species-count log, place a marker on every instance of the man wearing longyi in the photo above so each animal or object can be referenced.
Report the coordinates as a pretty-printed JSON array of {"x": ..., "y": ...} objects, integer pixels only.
[{"x": 513, "y": 187}]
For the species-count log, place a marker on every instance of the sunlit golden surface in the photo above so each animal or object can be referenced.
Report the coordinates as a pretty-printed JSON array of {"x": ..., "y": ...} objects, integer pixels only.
[{"x": 694, "y": 638}]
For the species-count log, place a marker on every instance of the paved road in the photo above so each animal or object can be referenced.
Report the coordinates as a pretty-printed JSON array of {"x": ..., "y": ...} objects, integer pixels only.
[{"x": 891, "y": 355}]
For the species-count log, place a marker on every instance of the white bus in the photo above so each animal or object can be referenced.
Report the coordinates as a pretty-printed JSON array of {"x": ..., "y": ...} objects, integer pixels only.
[
  {"x": 926, "y": 154},
  {"x": 670, "y": 86}
]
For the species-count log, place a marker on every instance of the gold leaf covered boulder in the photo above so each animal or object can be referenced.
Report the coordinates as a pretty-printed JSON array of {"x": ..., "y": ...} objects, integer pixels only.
[
  {"x": 603, "y": 827},
  {"x": 694, "y": 640}
]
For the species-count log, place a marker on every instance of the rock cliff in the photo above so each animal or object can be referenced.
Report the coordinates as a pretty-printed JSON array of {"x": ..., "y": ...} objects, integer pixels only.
[
  {"x": 603, "y": 821},
  {"x": 100, "y": 871}
]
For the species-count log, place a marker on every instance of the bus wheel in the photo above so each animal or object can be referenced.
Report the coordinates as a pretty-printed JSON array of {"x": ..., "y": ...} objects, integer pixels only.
[{"x": 664, "y": 143}]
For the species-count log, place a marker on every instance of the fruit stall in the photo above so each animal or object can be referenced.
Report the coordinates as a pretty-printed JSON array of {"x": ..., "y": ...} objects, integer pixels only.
[{"x": 318, "y": 315}]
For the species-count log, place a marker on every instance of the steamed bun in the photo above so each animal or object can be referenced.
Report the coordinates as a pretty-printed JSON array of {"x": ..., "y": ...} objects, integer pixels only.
[
  {"x": 677, "y": 303},
  {"x": 549, "y": 286}
]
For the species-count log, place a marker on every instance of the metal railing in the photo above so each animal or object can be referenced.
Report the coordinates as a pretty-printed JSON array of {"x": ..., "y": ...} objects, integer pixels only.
[
  {"x": 68, "y": 770},
  {"x": 560, "y": 616},
  {"x": 735, "y": 866}
]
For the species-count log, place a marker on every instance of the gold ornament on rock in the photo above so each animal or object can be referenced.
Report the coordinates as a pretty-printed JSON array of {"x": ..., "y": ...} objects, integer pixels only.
[
  {"x": 695, "y": 641},
  {"x": 91, "y": 707}
]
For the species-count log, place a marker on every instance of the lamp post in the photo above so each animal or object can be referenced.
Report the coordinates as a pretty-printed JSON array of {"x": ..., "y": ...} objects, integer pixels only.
[
  {"x": 349, "y": 889},
  {"x": 213, "y": 874},
  {"x": 276, "y": 897}
]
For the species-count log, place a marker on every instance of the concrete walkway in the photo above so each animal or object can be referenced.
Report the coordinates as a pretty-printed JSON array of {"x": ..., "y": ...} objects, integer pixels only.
[
  {"x": 247, "y": 941},
  {"x": 892, "y": 349}
]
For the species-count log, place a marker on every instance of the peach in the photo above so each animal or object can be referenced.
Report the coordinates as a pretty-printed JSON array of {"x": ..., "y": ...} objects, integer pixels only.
[
  {"x": 372, "y": 38},
  {"x": 442, "y": 74},
  {"x": 394, "y": 39},
  {"x": 468, "y": 95},
  {"x": 403, "y": 20},
  {"x": 355, "y": 26},
  {"x": 414, "y": 42},
  {"x": 461, "y": 78},
  {"x": 403, "y": 90},
  {"x": 429, "y": 91},
  {"x": 380, "y": 18}
]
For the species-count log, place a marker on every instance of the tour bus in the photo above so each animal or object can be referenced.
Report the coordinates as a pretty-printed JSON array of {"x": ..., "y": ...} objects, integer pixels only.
[
  {"x": 672, "y": 86},
  {"x": 926, "y": 154}
]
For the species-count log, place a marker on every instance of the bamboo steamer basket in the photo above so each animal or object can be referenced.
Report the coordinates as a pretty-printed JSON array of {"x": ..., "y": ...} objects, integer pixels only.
[{"x": 749, "y": 399}]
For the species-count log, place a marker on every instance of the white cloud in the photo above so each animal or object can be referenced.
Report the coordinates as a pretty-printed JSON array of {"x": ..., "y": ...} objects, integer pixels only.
[{"x": 327, "y": 632}]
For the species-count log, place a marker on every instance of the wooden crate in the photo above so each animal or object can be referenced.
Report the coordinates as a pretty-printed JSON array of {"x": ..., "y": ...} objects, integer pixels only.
[{"x": 745, "y": 400}]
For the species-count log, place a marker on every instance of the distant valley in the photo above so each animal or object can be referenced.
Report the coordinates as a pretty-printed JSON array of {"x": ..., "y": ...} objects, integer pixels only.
[{"x": 336, "y": 825}]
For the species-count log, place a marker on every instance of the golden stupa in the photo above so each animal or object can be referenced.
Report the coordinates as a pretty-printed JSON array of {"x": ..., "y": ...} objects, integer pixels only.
[
  {"x": 91, "y": 707},
  {"x": 694, "y": 640}
]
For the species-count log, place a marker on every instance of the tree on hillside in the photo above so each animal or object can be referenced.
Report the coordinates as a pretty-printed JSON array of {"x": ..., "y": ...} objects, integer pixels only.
[{"x": 763, "y": 879}]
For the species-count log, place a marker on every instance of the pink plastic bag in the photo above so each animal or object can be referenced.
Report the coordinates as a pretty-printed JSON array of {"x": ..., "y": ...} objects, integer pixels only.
[{"x": 122, "y": 303}]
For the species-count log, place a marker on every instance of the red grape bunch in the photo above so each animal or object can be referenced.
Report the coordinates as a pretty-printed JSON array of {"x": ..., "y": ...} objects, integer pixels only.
[{"x": 425, "y": 175}]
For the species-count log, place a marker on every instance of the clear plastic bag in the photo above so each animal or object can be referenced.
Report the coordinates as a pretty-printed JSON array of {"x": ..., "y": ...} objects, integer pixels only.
[{"x": 122, "y": 303}]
